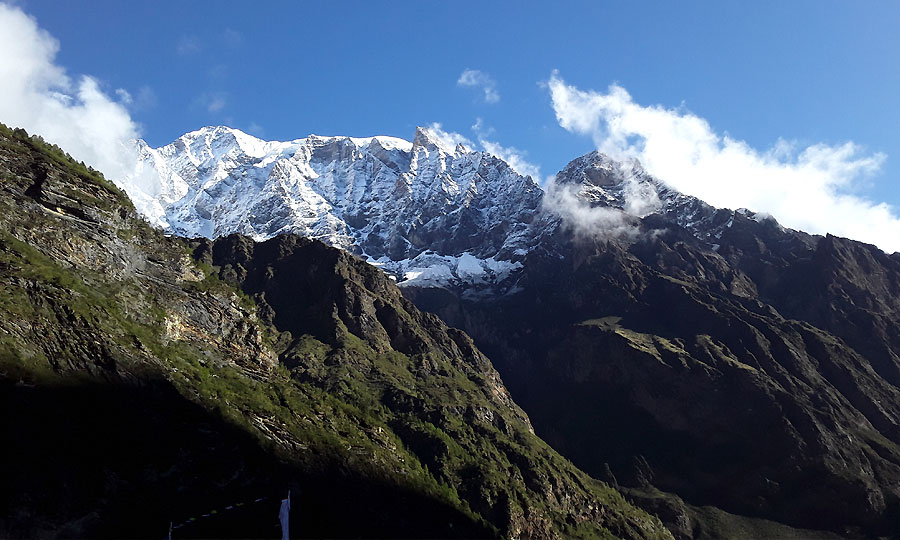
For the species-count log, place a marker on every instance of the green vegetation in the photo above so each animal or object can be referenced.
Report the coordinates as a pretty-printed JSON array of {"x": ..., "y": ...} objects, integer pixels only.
[
  {"x": 708, "y": 522},
  {"x": 65, "y": 163},
  {"x": 604, "y": 323}
]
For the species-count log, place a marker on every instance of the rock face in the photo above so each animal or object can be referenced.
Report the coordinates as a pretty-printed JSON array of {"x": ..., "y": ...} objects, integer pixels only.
[
  {"x": 402, "y": 204},
  {"x": 739, "y": 364},
  {"x": 151, "y": 379}
]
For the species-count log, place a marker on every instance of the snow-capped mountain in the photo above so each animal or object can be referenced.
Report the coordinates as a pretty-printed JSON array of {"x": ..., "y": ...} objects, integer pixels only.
[
  {"x": 424, "y": 210},
  {"x": 429, "y": 212}
]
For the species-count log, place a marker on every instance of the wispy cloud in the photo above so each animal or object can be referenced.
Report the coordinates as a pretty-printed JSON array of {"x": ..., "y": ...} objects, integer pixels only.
[
  {"x": 448, "y": 139},
  {"x": 215, "y": 104},
  {"x": 256, "y": 129},
  {"x": 232, "y": 37},
  {"x": 189, "y": 45},
  {"x": 480, "y": 79},
  {"x": 124, "y": 96},
  {"x": 38, "y": 95},
  {"x": 145, "y": 99},
  {"x": 808, "y": 188},
  {"x": 586, "y": 221},
  {"x": 517, "y": 159},
  {"x": 212, "y": 102},
  {"x": 481, "y": 129}
]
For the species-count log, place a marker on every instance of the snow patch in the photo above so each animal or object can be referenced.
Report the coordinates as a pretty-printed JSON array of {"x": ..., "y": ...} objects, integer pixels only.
[{"x": 429, "y": 269}]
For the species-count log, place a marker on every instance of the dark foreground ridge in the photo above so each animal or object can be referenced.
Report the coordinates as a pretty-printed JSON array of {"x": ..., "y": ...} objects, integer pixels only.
[{"x": 148, "y": 379}]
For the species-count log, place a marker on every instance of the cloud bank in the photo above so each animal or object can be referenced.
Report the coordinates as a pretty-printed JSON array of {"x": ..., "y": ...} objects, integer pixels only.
[
  {"x": 809, "y": 188},
  {"x": 38, "y": 95},
  {"x": 480, "y": 79}
]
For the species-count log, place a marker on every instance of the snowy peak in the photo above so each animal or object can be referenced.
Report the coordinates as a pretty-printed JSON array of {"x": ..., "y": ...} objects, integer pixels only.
[
  {"x": 384, "y": 198},
  {"x": 603, "y": 181},
  {"x": 607, "y": 182},
  {"x": 424, "y": 139},
  {"x": 595, "y": 169},
  {"x": 214, "y": 143}
]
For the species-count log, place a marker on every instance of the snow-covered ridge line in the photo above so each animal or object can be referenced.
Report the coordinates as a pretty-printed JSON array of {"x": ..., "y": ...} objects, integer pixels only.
[
  {"x": 381, "y": 197},
  {"x": 428, "y": 212}
]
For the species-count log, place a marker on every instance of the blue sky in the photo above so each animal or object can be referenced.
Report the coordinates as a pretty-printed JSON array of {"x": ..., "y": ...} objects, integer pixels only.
[{"x": 812, "y": 74}]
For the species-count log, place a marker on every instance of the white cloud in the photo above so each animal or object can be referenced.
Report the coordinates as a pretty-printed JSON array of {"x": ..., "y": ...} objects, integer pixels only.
[
  {"x": 189, "y": 45},
  {"x": 480, "y": 129},
  {"x": 215, "y": 104},
  {"x": 448, "y": 139},
  {"x": 124, "y": 96},
  {"x": 517, "y": 159},
  {"x": 804, "y": 188},
  {"x": 38, "y": 95},
  {"x": 256, "y": 129},
  {"x": 514, "y": 157},
  {"x": 146, "y": 99},
  {"x": 585, "y": 221},
  {"x": 212, "y": 102},
  {"x": 480, "y": 79}
]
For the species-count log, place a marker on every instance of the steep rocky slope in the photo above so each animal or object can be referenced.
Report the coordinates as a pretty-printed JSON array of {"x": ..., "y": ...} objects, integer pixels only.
[
  {"x": 739, "y": 364},
  {"x": 149, "y": 379}
]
